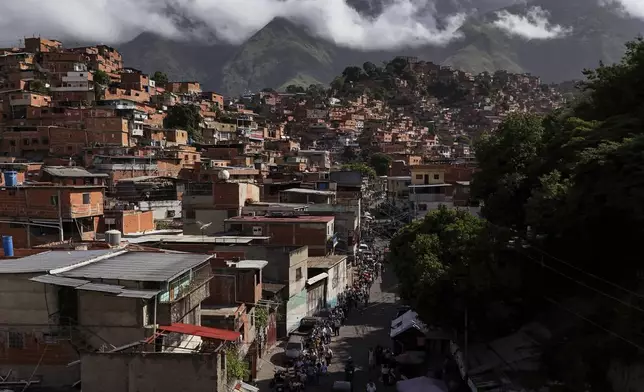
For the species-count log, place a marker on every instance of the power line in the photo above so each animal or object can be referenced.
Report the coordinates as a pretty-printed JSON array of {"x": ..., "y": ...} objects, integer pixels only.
[
  {"x": 532, "y": 246},
  {"x": 582, "y": 283},
  {"x": 612, "y": 333},
  {"x": 588, "y": 273}
]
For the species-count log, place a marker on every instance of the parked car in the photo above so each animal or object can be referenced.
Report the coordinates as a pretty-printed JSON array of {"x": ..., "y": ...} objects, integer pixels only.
[{"x": 294, "y": 346}]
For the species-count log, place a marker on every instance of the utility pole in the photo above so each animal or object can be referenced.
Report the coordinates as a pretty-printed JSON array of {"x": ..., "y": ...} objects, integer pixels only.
[
  {"x": 465, "y": 348},
  {"x": 60, "y": 216}
]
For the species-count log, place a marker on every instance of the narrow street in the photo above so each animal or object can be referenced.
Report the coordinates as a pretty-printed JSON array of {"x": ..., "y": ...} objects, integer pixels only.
[{"x": 361, "y": 331}]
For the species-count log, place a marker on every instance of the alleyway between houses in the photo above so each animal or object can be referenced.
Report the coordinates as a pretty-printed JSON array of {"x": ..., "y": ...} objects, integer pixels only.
[{"x": 361, "y": 331}]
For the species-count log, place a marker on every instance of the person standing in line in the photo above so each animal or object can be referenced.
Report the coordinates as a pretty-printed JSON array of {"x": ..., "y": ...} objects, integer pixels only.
[
  {"x": 371, "y": 386},
  {"x": 372, "y": 359}
]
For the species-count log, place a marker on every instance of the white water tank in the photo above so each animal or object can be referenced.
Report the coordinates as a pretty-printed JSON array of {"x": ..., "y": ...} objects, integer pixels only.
[
  {"x": 113, "y": 237},
  {"x": 224, "y": 175}
]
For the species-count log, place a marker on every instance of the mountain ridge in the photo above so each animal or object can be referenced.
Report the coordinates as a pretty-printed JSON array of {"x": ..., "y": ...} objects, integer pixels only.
[{"x": 285, "y": 52}]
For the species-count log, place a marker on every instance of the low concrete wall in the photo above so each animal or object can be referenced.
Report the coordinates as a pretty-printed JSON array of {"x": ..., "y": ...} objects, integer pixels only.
[{"x": 152, "y": 372}]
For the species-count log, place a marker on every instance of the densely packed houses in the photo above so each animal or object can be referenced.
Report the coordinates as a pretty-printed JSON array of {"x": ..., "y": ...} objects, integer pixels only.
[{"x": 107, "y": 173}]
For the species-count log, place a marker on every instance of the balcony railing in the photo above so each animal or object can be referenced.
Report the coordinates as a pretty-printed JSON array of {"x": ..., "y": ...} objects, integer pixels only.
[{"x": 189, "y": 297}]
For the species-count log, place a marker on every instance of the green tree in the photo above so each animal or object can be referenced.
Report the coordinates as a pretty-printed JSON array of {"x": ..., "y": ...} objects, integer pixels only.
[
  {"x": 160, "y": 78},
  {"x": 353, "y": 74},
  {"x": 506, "y": 158},
  {"x": 294, "y": 89},
  {"x": 371, "y": 69},
  {"x": 102, "y": 78},
  {"x": 186, "y": 117},
  {"x": 443, "y": 262},
  {"x": 397, "y": 66},
  {"x": 362, "y": 168},
  {"x": 237, "y": 368},
  {"x": 38, "y": 86},
  {"x": 349, "y": 154},
  {"x": 316, "y": 91},
  {"x": 380, "y": 162}
]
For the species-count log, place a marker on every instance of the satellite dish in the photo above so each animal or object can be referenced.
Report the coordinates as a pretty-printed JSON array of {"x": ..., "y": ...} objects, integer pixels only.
[{"x": 224, "y": 175}]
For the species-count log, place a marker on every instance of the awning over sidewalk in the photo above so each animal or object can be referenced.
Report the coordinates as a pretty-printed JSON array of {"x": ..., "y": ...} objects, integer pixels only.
[
  {"x": 406, "y": 322},
  {"x": 201, "y": 331}
]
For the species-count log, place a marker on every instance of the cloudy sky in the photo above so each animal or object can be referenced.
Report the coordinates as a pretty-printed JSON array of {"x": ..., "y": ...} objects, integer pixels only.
[
  {"x": 533, "y": 25},
  {"x": 403, "y": 23}
]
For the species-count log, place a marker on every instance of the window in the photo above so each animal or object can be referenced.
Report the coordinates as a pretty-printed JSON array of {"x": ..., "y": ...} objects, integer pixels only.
[
  {"x": 419, "y": 176},
  {"x": 298, "y": 273},
  {"x": 16, "y": 340},
  {"x": 25, "y": 142},
  {"x": 85, "y": 198},
  {"x": 54, "y": 200},
  {"x": 45, "y": 140},
  {"x": 12, "y": 142},
  {"x": 169, "y": 214},
  {"x": 437, "y": 176}
]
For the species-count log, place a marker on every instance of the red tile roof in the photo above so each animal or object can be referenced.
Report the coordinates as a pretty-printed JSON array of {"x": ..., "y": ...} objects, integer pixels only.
[{"x": 204, "y": 332}]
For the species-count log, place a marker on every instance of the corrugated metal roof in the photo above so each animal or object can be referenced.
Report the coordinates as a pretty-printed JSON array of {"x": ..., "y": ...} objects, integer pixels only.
[
  {"x": 140, "y": 266},
  {"x": 70, "y": 171},
  {"x": 47, "y": 261},
  {"x": 145, "y": 294},
  {"x": 204, "y": 332},
  {"x": 194, "y": 238},
  {"x": 59, "y": 280},
  {"x": 249, "y": 264},
  {"x": 104, "y": 288},
  {"x": 308, "y": 191}
]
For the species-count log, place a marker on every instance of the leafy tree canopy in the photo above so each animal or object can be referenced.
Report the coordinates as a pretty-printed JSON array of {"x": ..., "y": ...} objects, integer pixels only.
[
  {"x": 160, "y": 78},
  {"x": 101, "y": 77},
  {"x": 443, "y": 261},
  {"x": 364, "y": 169},
  {"x": 186, "y": 117},
  {"x": 572, "y": 176},
  {"x": 380, "y": 162}
]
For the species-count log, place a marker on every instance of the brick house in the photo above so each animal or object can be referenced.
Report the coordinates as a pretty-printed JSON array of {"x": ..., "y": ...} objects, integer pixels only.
[
  {"x": 316, "y": 232},
  {"x": 78, "y": 207}
]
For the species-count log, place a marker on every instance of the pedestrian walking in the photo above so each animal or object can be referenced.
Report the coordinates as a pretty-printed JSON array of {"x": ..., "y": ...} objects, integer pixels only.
[
  {"x": 372, "y": 359},
  {"x": 371, "y": 386}
]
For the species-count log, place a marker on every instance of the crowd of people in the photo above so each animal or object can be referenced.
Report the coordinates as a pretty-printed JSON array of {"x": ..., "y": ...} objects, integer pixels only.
[{"x": 314, "y": 360}]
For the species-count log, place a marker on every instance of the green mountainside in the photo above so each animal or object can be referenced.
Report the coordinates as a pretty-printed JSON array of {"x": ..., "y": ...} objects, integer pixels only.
[
  {"x": 280, "y": 53},
  {"x": 284, "y": 53}
]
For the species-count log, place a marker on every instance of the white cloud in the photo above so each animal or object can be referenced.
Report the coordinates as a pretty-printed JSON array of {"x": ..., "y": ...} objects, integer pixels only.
[
  {"x": 633, "y": 8},
  {"x": 533, "y": 25},
  {"x": 405, "y": 23}
]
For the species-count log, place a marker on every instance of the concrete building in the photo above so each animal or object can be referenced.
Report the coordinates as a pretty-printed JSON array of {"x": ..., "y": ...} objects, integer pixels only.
[
  {"x": 315, "y": 232},
  {"x": 336, "y": 279},
  {"x": 55, "y": 305},
  {"x": 287, "y": 268},
  {"x": 213, "y": 204}
]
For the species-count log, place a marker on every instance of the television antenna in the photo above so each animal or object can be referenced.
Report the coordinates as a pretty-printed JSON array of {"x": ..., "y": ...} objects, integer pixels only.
[{"x": 202, "y": 227}]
